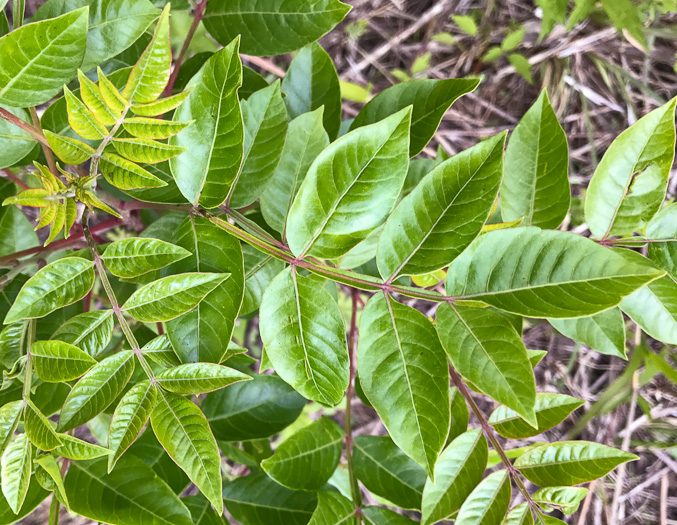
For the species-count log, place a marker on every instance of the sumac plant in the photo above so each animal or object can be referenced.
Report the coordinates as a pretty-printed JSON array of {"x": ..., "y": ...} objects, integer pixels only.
[{"x": 125, "y": 394}]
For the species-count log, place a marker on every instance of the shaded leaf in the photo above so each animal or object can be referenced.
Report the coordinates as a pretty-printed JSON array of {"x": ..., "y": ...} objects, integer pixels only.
[
  {"x": 550, "y": 409},
  {"x": 404, "y": 374},
  {"x": 260, "y": 270},
  {"x": 430, "y": 100},
  {"x": 536, "y": 184},
  {"x": 489, "y": 502},
  {"x": 654, "y": 308},
  {"x": 160, "y": 350},
  {"x": 486, "y": 350},
  {"x": 149, "y": 449},
  {"x": 274, "y": 29},
  {"x": 58, "y": 284},
  {"x": 202, "y": 512},
  {"x": 56, "y": 361},
  {"x": 307, "y": 459},
  {"x": 9, "y": 419},
  {"x": 387, "y": 472},
  {"x": 566, "y": 499},
  {"x": 17, "y": 463},
  {"x": 172, "y": 296},
  {"x": 15, "y": 143},
  {"x": 333, "y": 509},
  {"x": 350, "y": 189},
  {"x": 37, "y": 59},
  {"x": 184, "y": 433},
  {"x": 89, "y": 331},
  {"x": 604, "y": 332},
  {"x": 96, "y": 390},
  {"x": 664, "y": 226},
  {"x": 569, "y": 462},
  {"x": 444, "y": 213},
  {"x": 304, "y": 337},
  {"x": 381, "y": 516},
  {"x": 544, "y": 273}
]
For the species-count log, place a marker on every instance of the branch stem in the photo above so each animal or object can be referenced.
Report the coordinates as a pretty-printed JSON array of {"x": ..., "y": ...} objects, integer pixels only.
[
  {"x": 34, "y": 132},
  {"x": 45, "y": 145},
  {"x": 30, "y": 330}
]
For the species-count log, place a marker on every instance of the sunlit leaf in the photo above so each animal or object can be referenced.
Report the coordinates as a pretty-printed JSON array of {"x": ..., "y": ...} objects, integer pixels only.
[{"x": 56, "y": 361}]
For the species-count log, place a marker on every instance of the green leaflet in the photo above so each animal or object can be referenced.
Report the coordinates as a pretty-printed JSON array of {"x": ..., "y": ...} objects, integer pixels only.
[
  {"x": 664, "y": 226},
  {"x": 37, "y": 59},
  {"x": 457, "y": 472},
  {"x": 9, "y": 419},
  {"x": 151, "y": 128},
  {"x": 388, "y": 472},
  {"x": 207, "y": 171},
  {"x": 654, "y": 308},
  {"x": 17, "y": 463},
  {"x": 265, "y": 128},
  {"x": 519, "y": 515},
  {"x": 252, "y": 409},
  {"x": 126, "y": 175},
  {"x": 69, "y": 150},
  {"x": 129, "y": 418},
  {"x": 350, "y": 188},
  {"x": 39, "y": 429},
  {"x": 489, "y": 502},
  {"x": 544, "y": 273},
  {"x": 170, "y": 297},
  {"x": 307, "y": 459},
  {"x": 89, "y": 331},
  {"x": 536, "y": 184},
  {"x": 48, "y": 465},
  {"x": 198, "y": 378},
  {"x": 430, "y": 100},
  {"x": 258, "y": 500},
  {"x": 56, "y": 361},
  {"x": 58, "y": 284},
  {"x": 96, "y": 390},
  {"x": 550, "y": 409},
  {"x": 604, "y": 332},
  {"x": 110, "y": 93},
  {"x": 260, "y": 270},
  {"x": 12, "y": 343},
  {"x": 114, "y": 25},
  {"x": 202, "y": 511},
  {"x": 160, "y": 106},
  {"x": 146, "y": 150},
  {"x": 565, "y": 499},
  {"x": 150, "y": 74},
  {"x": 81, "y": 119},
  {"x": 184, "y": 433},
  {"x": 311, "y": 82},
  {"x": 203, "y": 333},
  {"x": 381, "y": 516},
  {"x": 629, "y": 184},
  {"x": 306, "y": 138},
  {"x": 160, "y": 351},
  {"x": 486, "y": 350},
  {"x": 136, "y": 256},
  {"x": 15, "y": 143},
  {"x": 273, "y": 28},
  {"x": 444, "y": 213},
  {"x": 404, "y": 374},
  {"x": 130, "y": 495},
  {"x": 304, "y": 337},
  {"x": 569, "y": 462},
  {"x": 76, "y": 449},
  {"x": 91, "y": 96},
  {"x": 36, "y": 495},
  {"x": 333, "y": 509}
]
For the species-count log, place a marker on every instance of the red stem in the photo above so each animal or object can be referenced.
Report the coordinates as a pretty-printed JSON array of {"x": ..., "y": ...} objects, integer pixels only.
[
  {"x": 15, "y": 179},
  {"x": 199, "y": 13},
  {"x": 36, "y": 133}
]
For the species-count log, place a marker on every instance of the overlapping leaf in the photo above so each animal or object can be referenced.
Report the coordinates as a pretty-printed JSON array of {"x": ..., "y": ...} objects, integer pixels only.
[
  {"x": 304, "y": 337},
  {"x": 9, "y": 419},
  {"x": 333, "y": 509},
  {"x": 489, "y": 502},
  {"x": 56, "y": 361},
  {"x": 444, "y": 213},
  {"x": 89, "y": 331},
  {"x": 39, "y": 429},
  {"x": 160, "y": 350},
  {"x": 654, "y": 308},
  {"x": 604, "y": 332},
  {"x": 81, "y": 119},
  {"x": 565, "y": 499},
  {"x": 350, "y": 188},
  {"x": 15, "y": 143},
  {"x": 17, "y": 464},
  {"x": 544, "y": 273},
  {"x": 664, "y": 226}
]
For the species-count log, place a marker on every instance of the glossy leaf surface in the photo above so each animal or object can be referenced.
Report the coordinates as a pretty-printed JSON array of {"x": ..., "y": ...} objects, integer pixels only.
[
  {"x": 536, "y": 185},
  {"x": 89, "y": 331},
  {"x": 146, "y": 151},
  {"x": 486, "y": 350},
  {"x": 350, "y": 188},
  {"x": 569, "y": 462},
  {"x": 444, "y": 213},
  {"x": 430, "y": 100},
  {"x": 56, "y": 361},
  {"x": 629, "y": 184},
  {"x": 544, "y": 273},
  {"x": 198, "y": 378},
  {"x": 37, "y": 59},
  {"x": 39, "y": 429},
  {"x": 136, "y": 256},
  {"x": 274, "y": 28},
  {"x": 15, "y": 143},
  {"x": 184, "y": 433},
  {"x": 206, "y": 171},
  {"x": 404, "y": 374},
  {"x": 203, "y": 333},
  {"x": 170, "y": 297},
  {"x": 126, "y": 175},
  {"x": 304, "y": 337},
  {"x": 307, "y": 459},
  {"x": 9, "y": 419},
  {"x": 69, "y": 150},
  {"x": 17, "y": 464},
  {"x": 58, "y": 284},
  {"x": 76, "y": 449},
  {"x": 489, "y": 502},
  {"x": 96, "y": 390}
]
